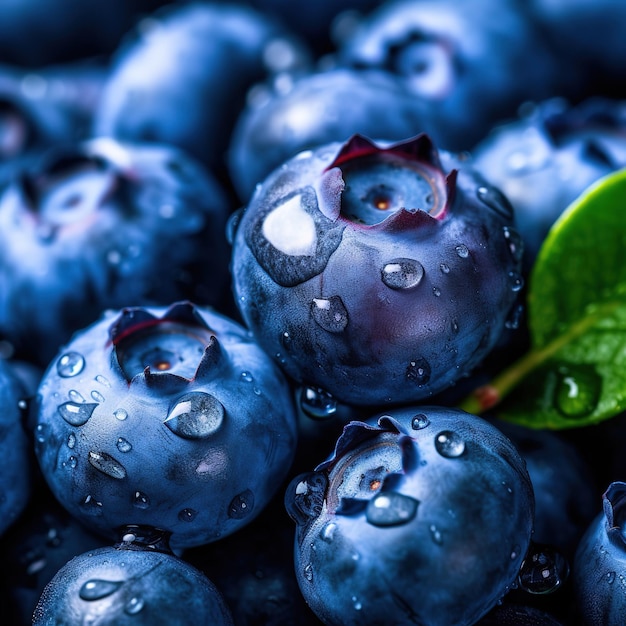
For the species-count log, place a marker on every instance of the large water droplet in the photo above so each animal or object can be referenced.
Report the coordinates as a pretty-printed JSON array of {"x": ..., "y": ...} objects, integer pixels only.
[
  {"x": 134, "y": 605},
  {"x": 577, "y": 390},
  {"x": 420, "y": 421},
  {"x": 187, "y": 515},
  {"x": 106, "y": 464},
  {"x": 76, "y": 414},
  {"x": 544, "y": 570},
  {"x": 402, "y": 274},
  {"x": 141, "y": 500},
  {"x": 330, "y": 313},
  {"x": 514, "y": 242},
  {"x": 123, "y": 445},
  {"x": 317, "y": 403},
  {"x": 120, "y": 414},
  {"x": 418, "y": 371},
  {"x": 241, "y": 505},
  {"x": 495, "y": 200},
  {"x": 70, "y": 364},
  {"x": 196, "y": 415},
  {"x": 96, "y": 589},
  {"x": 390, "y": 508},
  {"x": 449, "y": 444}
]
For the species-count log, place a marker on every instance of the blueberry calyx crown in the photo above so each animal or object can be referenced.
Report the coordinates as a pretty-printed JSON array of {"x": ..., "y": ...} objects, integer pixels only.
[{"x": 614, "y": 507}]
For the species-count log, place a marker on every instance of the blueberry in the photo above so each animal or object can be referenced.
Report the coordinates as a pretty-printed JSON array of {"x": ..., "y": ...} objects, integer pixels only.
[
  {"x": 130, "y": 585},
  {"x": 380, "y": 274},
  {"x": 422, "y": 515},
  {"x": 599, "y": 570},
  {"x": 314, "y": 109},
  {"x": 173, "y": 418},
  {"x": 102, "y": 224},
  {"x": 183, "y": 78},
  {"x": 469, "y": 63},
  {"x": 518, "y": 615},
  {"x": 15, "y": 478},
  {"x": 547, "y": 157}
]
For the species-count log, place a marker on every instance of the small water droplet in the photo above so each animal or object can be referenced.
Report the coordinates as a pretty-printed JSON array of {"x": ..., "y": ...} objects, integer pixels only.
[
  {"x": 317, "y": 403},
  {"x": 515, "y": 552},
  {"x": 75, "y": 396},
  {"x": 140, "y": 500},
  {"x": 390, "y": 508},
  {"x": 328, "y": 532},
  {"x": 102, "y": 380},
  {"x": 357, "y": 605},
  {"x": 515, "y": 317},
  {"x": 516, "y": 281},
  {"x": 308, "y": 572},
  {"x": 402, "y": 274},
  {"x": 544, "y": 570},
  {"x": 134, "y": 605},
  {"x": 436, "y": 291},
  {"x": 445, "y": 269},
  {"x": 71, "y": 441},
  {"x": 449, "y": 444},
  {"x": 70, "y": 364},
  {"x": 196, "y": 415},
  {"x": 40, "y": 433},
  {"x": 330, "y": 314},
  {"x": 91, "y": 506},
  {"x": 76, "y": 414},
  {"x": 462, "y": 250},
  {"x": 435, "y": 534},
  {"x": 495, "y": 200},
  {"x": 106, "y": 464},
  {"x": 420, "y": 421},
  {"x": 36, "y": 566},
  {"x": 418, "y": 371},
  {"x": 241, "y": 505},
  {"x": 577, "y": 390},
  {"x": 120, "y": 414},
  {"x": 514, "y": 242},
  {"x": 247, "y": 377},
  {"x": 97, "y": 396},
  {"x": 97, "y": 589},
  {"x": 187, "y": 515},
  {"x": 610, "y": 577},
  {"x": 72, "y": 462},
  {"x": 123, "y": 445}
]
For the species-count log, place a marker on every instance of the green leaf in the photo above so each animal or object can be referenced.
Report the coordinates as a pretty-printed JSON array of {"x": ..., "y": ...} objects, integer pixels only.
[{"x": 575, "y": 371}]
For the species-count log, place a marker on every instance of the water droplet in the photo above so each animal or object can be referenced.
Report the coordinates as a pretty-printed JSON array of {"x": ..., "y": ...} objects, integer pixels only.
[
  {"x": 420, "y": 421},
  {"x": 402, "y": 274},
  {"x": 328, "y": 532},
  {"x": 247, "y": 377},
  {"x": 330, "y": 313},
  {"x": 71, "y": 441},
  {"x": 97, "y": 396},
  {"x": 610, "y": 577},
  {"x": 445, "y": 269},
  {"x": 436, "y": 291},
  {"x": 36, "y": 566},
  {"x": 514, "y": 242},
  {"x": 435, "y": 534},
  {"x": 141, "y": 500},
  {"x": 70, "y": 364},
  {"x": 515, "y": 317},
  {"x": 462, "y": 250},
  {"x": 123, "y": 445},
  {"x": 317, "y": 403},
  {"x": 418, "y": 371},
  {"x": 241, "y": 505},
  {"x": 134, "y": 605},
  {"x": 232, "y": 224},
  {"x": 449, "y": 444},
  {"x": 187, "y": 515},
  {"x": 91, "y": 506},
  {"x": 308, "y": 572},
  {"x": 516, "y": 281},
  {"x": 357, "y": 605},
  {"x": 102, "y": 380},
  {"x": 97, "y": 589},
  {"x": 76, "y": 414},
  {"x": 544, "y": 570},
  {"x": 107, "y": 464},
  {"x": 75, "y": 396},
  {"x": 22, "y": 404},
  {"x": 120, "y": 414},
  {"x": 72, "y": 462},
  {"x": 390, "y": 508},
  {"x": 495, "y": 200},
  {"x": 195, "y": 415},
  {"x": 40, "y": 433},
  {"x": 577, "y": 390},
  {"x": 515, "y": 552}
]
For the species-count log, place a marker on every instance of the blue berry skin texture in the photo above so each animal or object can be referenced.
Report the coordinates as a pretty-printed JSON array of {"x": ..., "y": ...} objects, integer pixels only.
[
  {"x": 165, "y": 417},
  {"x": 599, "y": 568},
  {"x": 380, "y": 274},
  {"x": 422, "y": 515},
  {"x": 120, "y": 586}
]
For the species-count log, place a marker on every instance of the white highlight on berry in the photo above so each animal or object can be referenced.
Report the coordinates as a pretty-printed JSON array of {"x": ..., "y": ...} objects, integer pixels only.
[{"x": 290, "y": 229}]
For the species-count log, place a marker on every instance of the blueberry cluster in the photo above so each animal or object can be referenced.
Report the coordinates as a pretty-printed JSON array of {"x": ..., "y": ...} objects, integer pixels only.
[{"x": 252, "y": 255}]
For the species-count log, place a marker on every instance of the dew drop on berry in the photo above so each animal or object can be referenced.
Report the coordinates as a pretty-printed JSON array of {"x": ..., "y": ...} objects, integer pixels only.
[
  {"x": 75, "y": 396},
  {"x": 577, "y": 390},
  {"x": 247, "y": 377},
  {"x": 610, "y": 577},
  {"x": 140, "y": 500},
  {"x": 445, "y": 269},
  {"x": 308, "y": 572},
  {"x": 102, "y": 380},
  {"x": 330, "y": 314},
  {"x": 196, "y": 415},
  {"x": 241, "y": 505},
  {"x": 435, "y": 534},
  {"x": 97, "y": 396},
  {"x": 512, "y": 322},
  {"x": 516, "y": 281},
  {"x": 91, "y": 506},
  {"x": 76, "y": 414},
  {"x": 123, "y": 445},
  {"x": 418, "y": 371},
  {"x": 232, "y": 224},
  {"x": 107, "y": 464},
  {"x": 120, "y": 414},
  {"x": 436, "y": 291},
  {"x": 317, "y": 403},
  {"x": 71, "y": 441},
  {"x": 187, "y": 515},
  {"x": 96, "y": 589},
  {"x": 544, "y": 570},
  {"x": 514, "y": 242},
  {"x": 134, "y": 605},
  {"x": 70, "y": 364},
  {"x": 420, "y": 421},
  {"x": 449, "y": 444},
  {"x": 462, "y": 250},
  {"x": 390, "y": 508},
  {"x": 402, "y": 274},
  {"x": 496, "y": 200}
]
